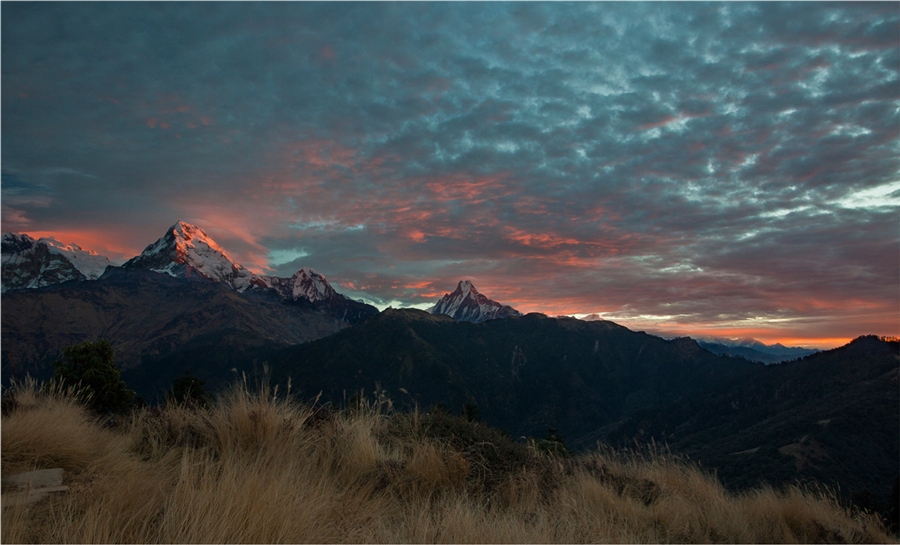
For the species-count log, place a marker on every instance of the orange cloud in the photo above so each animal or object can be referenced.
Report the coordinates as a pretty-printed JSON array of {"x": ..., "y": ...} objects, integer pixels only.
[
  {"x": 235, "y": 232},
  {"x": 113, "y": 244},
  {"x": 416, "y": 235},
  {"x": 471, "y": 189},
  {"x": 540, "y": 240},
  {"x": 326, "y": 155}
]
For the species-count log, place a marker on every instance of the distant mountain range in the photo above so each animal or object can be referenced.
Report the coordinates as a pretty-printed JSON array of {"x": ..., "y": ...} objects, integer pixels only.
[
  {"x": 754, "y": 350},
  {"x": 185, "y": 251}
]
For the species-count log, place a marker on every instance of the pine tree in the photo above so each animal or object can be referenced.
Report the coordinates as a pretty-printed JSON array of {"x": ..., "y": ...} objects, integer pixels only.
[{"x": 90, "y": 369}]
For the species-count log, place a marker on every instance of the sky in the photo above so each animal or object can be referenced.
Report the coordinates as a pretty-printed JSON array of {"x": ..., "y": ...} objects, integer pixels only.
[{"x": 711, "y": 169}]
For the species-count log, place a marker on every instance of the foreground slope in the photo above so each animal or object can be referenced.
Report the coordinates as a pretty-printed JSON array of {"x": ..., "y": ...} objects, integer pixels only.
[{"x": 253, "y": 469}]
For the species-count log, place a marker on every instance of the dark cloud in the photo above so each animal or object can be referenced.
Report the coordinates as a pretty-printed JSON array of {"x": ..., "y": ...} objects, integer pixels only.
[{"x": 676, "y": 166}]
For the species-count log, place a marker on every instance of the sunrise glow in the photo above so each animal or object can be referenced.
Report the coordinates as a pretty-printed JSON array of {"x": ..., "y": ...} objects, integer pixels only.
[{"x": 692, "y": 169}]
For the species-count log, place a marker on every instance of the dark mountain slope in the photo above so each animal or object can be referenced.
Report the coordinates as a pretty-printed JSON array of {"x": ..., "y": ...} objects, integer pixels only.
[
  {"x": 524, "y": 373},
  {"x": 146, "y": 315},
  {"x": 833, "y": 417}
]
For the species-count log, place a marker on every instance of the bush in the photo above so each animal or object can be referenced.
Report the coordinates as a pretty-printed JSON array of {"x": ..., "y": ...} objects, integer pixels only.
[
  {"x": 553, "y": 443},
  {"x": 90, "y": 369},
  {"x": 188, "y": 390}
]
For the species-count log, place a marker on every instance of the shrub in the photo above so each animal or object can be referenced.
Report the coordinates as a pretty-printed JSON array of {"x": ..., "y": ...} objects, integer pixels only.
[
  {"x": 188, "y": 390},
  {"x": 90, "y": 369},
  {"x": 470, "y": 412}
]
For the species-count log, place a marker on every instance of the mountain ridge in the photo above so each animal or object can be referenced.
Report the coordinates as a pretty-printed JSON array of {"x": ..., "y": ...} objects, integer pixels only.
[{"x": 757, "y": 351}]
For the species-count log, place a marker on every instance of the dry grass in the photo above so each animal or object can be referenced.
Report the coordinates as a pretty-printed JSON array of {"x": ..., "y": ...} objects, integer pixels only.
[{"x": 253, "y": 468}]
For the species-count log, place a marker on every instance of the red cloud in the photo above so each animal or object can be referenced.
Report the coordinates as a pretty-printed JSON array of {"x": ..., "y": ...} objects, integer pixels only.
[
  {"x": 171, "y": 110},
  {"x": 115, "y": 244},
  {"x": 539, "y": 240},
  {"x": 473, "y": 190}
]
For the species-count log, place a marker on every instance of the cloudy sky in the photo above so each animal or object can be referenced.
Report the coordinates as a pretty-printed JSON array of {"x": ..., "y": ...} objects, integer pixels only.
[{"x": 720, "y": 169}]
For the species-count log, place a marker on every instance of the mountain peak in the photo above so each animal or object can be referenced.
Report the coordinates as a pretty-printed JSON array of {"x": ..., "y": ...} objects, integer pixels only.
[
  {"x": 466, "y": 286},
  {"x": 187, "y": 251},
  {"x": 466, "y": 304},
  {"x": 188, "y": 235},
  {"x": 311, "y": 285},
  {"x": 29, "y": 263}
]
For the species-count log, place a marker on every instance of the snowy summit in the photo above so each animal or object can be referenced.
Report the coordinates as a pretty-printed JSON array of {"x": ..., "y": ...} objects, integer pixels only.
[
  {"x": 29, "y": 263},
  {"x": 187, "y": 251},
  {"x": 466, "y": 304},
  {"x": 304, "y": 284}
]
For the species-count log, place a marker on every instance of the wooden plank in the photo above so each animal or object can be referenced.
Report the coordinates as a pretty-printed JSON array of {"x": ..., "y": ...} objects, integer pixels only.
[
  {"x": 25, "y": 488},
  {"x": 30, "y": 496},
  {"x": 41, "y": 478}
]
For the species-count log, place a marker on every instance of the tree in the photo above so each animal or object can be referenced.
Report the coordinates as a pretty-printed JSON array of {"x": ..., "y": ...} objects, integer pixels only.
[
  {"x": 90, "y": 369},
  {"x": 553, "y": 443},
  {"x": 188, "y": 390},
  {"x": 470, "y": 412}
]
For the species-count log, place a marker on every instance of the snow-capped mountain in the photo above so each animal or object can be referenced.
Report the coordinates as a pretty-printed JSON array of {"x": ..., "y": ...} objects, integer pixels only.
[
  {"x": 466, "y": 304},
  {"x": 29, "y": 263},
  {"x": 304, "y": 284},
  {"x": 187, "y": 251}
]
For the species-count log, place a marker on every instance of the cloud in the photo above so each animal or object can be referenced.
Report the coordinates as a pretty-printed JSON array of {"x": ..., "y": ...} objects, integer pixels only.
[{"x": 688, "y": 162}]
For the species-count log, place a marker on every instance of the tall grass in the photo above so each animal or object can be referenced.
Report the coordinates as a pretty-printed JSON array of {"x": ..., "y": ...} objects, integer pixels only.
[{"x": 255, "y": 468}]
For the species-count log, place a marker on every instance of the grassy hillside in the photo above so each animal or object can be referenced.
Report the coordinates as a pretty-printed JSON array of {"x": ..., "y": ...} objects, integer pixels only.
[{"x": 255, "y": 467}]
